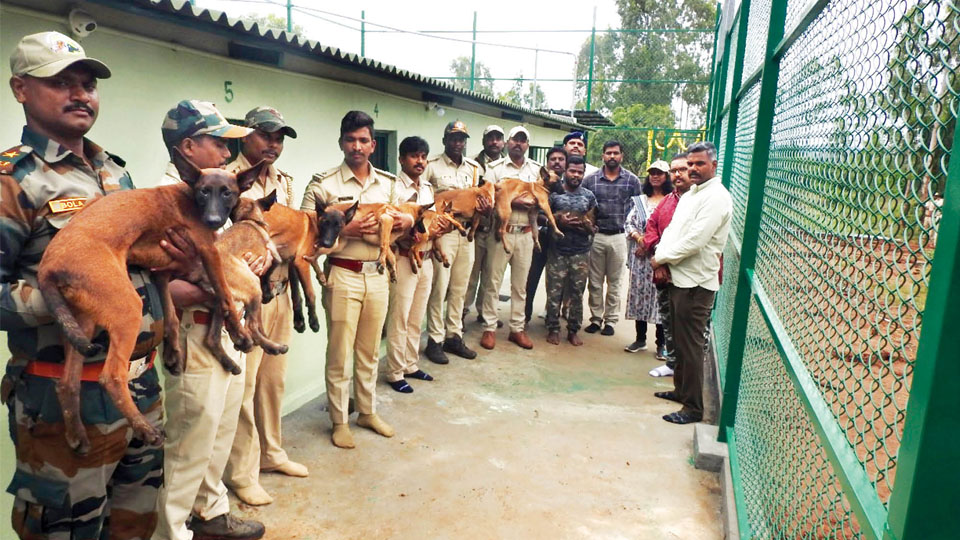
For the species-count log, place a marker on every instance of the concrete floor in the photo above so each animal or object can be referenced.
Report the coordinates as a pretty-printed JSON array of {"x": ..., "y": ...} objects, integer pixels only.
[{"x": 556, "y": 442}]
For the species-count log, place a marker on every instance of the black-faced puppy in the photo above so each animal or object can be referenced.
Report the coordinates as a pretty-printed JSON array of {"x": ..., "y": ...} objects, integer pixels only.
[{"x": 84, "y": 282}]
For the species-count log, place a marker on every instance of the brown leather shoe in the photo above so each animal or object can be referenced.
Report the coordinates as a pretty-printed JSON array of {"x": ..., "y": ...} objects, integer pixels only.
[
  {"x": 488, "y": 340},
  {"x": 522, "y": 339}
]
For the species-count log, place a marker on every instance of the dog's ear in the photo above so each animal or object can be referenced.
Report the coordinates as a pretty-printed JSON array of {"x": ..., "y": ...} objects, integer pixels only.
[
  {"x": 319, "y": 206},
  {"x": 268, "y": 201},
  {"x": 420, "y": 227},
  {"x": 424, "y": 207},
  {"x": 352, "y": 211},
  {"x": 446, "y": 207},
  {"x": 188, "y": 171},
  {"x": 544, "y": 174},
  {"x": 246, "y": 178}
]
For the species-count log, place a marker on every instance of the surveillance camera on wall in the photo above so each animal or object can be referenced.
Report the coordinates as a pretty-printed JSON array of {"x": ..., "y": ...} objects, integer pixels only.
[{"x": 82, "y": 24}]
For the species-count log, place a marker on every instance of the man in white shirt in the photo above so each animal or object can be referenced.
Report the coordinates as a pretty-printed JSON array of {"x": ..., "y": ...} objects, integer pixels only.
[{"x": 690, "y": 248}]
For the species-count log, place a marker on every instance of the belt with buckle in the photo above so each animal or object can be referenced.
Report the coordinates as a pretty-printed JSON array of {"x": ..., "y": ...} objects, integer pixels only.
[
  {"x": 519, "y": 228},
  {"x": 360, "y": 267},
  {"x": 199, "y": 316},
  {"x": 90, "y": 372},
  {"x": 406, "y": 253}
]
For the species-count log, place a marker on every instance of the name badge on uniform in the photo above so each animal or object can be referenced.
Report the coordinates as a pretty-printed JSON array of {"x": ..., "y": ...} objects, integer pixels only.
[
  {"x": 59, "y": 206},
  {"x": 343, "y": 199}
]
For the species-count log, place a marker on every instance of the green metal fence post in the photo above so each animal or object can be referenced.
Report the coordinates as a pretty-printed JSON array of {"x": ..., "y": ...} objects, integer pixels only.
[
  {"x": 754, "y": 208},
  {"x": 289, "y": 15},
  {"x": 734, "y": 110},
  {"x": 719, "y": 88},
  {"x": 921, "y": 505},
  {"x": 473, "y": 53},
  {"x": 363, "y": 33},
  {"x": 593, "y": 41},
  {"x": 713, "y": 66}
]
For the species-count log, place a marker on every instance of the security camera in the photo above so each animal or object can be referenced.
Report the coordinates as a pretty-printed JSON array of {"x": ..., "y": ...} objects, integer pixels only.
[{"x": 81, "y": 23}]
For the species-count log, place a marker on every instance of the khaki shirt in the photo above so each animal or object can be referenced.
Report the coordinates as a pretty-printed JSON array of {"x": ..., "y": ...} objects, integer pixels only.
[
  {"x": 340, "y": 185},
  {"x": 275, "y": 180},
  {"x": 407, "y": 192},
  {"x": 484, "y": 160},
  {"x": 505, "y": 168},
  {"x": 444, "y": 174}
]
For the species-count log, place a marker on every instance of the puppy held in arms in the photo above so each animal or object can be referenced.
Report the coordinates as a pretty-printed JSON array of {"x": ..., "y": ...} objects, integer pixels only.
[{"x": 84, "y": 281}]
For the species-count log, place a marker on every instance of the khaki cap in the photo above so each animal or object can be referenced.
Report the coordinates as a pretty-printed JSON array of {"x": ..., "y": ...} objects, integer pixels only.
[
  {"x": 48, "y": 53},
  {"x": 456, "y": 127},
  {"x": 517, "y": 130},
  {"x": 194, "y": 117},
  {"x": 492, "y": 128},
  {"x": 659, "y": 165}
]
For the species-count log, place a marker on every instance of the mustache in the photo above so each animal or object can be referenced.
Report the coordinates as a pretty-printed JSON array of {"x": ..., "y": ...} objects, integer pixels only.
[{"x": 78, "y": 107}]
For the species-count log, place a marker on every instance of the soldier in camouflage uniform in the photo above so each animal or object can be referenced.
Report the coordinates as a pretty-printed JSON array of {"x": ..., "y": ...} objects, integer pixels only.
[
  {"x": 567, "y": 262},
  {"x": 112, "y": 491}
]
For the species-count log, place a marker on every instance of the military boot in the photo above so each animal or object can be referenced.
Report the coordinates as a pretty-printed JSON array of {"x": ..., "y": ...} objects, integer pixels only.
[
  {"x": 434, "y": 352},
  {"x": 455, "y": 345}
]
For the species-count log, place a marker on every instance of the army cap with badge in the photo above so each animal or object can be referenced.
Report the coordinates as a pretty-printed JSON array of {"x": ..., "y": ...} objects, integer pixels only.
[
  {"x": 192, "y": 117},
  {"x": 456, "y": 126},
  {"x": 270, "y": 120},
  {"x": 45, "y": 54}
]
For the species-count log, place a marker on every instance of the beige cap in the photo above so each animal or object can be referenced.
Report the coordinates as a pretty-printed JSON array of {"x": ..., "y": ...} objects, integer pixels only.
[
  {"x": 659, "y": 165},
  {"x": 492, "y": 128},
  {"x": 517, "y": 130},
  {"x": 48, "y": 53}
]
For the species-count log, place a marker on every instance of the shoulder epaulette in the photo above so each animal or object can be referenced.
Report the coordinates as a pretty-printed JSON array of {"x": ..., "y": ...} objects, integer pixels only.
[
  {"x": 535, "y": 162},
  {"x": 434, "y": 158},
  {"x": 9, "y": 158},
  {"x": 495, "y": 163},
  {"x": 325, "y": 174},
  {"x": 117, "y": 159},
  {"x": 285, "y": 175},
  {"x": 471, "y": 161},
  {"x": 388, "y": 174}
]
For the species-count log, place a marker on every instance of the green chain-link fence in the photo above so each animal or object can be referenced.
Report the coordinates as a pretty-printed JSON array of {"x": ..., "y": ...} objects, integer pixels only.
[
  {"x": 835, "y": 123},
  {"x": 641, "y": 146}
]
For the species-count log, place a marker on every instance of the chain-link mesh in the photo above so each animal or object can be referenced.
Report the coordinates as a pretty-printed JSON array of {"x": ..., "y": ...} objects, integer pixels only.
[
  {"x": 789, "y": 488},
  {"x": 757, "y": 25},
  {"x": 723, "y": 311},
  {"x": 863, "y": 123},
  {"x": 642, "y": 146},
  {"x": 728, "y": 92}
]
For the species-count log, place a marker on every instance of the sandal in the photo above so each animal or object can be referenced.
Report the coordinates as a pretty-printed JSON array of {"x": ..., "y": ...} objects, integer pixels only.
[
  {"x": 681, "y": 417},
  {"x": 670, "y": 396}
]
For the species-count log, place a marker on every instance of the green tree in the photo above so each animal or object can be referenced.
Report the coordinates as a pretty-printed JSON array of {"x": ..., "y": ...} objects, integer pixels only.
[
  {"x": 483, "y": 81},
  {"x": 270, "y": 21},
  {"x": 532, "y": 96},
  {"x": 635, "y": 149}
]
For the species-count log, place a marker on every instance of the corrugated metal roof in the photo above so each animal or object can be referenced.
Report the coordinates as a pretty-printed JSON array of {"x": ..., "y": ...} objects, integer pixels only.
[{"x": 188, "y": 11}]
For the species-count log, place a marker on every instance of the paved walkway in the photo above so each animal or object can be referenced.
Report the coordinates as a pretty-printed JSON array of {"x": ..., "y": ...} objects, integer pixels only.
[{"x": 557, "y": 442}]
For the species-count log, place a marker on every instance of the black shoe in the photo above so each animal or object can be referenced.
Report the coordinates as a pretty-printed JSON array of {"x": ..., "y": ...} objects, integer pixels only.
[
  {"x": 434, "y": 352},
  {"x": 592, "y": 329},
  {"x": 607, "y": 330},
  {"x": 226, "y": 526},
  {"x": 636, "y": 347},
  {"x": 455, "y": 345},
  {"x": 682, "y": 417},
  {"x": 419, "y": 375},
  {"x": 401, "y": 386},
  {"x": 483, "y": 322}
]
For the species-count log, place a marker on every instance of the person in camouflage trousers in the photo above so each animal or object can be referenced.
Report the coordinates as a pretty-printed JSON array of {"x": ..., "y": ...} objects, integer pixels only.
[
  {"x": 111, "y": 492},
  {"x": 567, "y": 261}
]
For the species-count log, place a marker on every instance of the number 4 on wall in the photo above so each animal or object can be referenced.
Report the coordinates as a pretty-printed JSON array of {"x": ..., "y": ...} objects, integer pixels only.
[{"x": 228, "y": 91}]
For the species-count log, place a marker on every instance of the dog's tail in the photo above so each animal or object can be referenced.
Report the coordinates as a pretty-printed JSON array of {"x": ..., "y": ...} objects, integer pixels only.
[{"x": 71, "y": 328}]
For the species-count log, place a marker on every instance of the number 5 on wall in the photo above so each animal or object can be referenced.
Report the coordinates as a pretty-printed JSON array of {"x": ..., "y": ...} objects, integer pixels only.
[{"x": 228, "y": 91}]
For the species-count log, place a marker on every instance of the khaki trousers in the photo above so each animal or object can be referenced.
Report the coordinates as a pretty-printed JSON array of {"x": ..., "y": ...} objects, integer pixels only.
[
  {"x": 478, "y": 277},
  {"x": 449, "y": 288},
  {"x": 356, "y": 305},
  {"x": 608, "y": 260},
  {"x": 202, "y": 407},
  {"x": 258, "y": 443},
  {"x": 497, "y": 259},
  {"x": 408, "y": 304}
]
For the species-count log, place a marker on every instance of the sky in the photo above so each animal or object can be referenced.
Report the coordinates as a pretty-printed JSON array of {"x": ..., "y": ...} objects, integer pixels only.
[{"x": 325, "y": 22}]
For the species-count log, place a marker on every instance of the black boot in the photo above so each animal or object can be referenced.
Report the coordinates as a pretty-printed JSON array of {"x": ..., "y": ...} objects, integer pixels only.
[
  {"x": 455, "y": 345},
  {"x": 434, "y": 352}
]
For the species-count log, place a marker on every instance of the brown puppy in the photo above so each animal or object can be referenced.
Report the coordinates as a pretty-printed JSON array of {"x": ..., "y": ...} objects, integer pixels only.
[
  {"x": 301, "y": 237},
  {"x": 428, "y": 229},
  {"x": 513, "y": 190},
  {"x": 386, "y": 236},
  {"x": 587, "y": 222},
  {"x": 465, "y": 204},
  {"x": 83, "y": 279},
  {"x": 248, "y": 234}
]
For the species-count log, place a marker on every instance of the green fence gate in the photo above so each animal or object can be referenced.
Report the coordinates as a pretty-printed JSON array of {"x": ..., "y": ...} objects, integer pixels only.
[{"x": 835, "y": 123}]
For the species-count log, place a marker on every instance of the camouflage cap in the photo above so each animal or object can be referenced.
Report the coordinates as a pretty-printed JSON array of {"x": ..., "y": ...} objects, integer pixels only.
[
  {"x": 268, "y": 119},
  {"x": 48, "y": 53},
  {"x": 194, "y": 117},
  {"x": 456, "y": 126}
]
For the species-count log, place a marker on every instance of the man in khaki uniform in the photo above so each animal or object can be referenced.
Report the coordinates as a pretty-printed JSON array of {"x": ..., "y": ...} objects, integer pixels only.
[
  {"x": 450, "y": 170},
  {"x": 257, "y": 445},
  {"x": 356, "y": 294},
  {"x": 516, "y": 165},
  {"x": 408, "y": 296},
  {"x": 492, "y": 151},
  {"x": 202, "y": 403}
]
